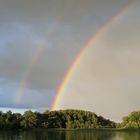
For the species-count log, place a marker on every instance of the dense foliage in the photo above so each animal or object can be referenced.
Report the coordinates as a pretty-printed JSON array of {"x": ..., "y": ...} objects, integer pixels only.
[
  {"x": 131, "y": 121},
  {"x": 54, "y": 119},
  {"x": 69, "y": 119}
]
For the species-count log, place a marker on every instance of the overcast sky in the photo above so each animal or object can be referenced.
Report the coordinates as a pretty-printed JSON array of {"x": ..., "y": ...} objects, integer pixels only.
[{"x": 61, "y": 28}]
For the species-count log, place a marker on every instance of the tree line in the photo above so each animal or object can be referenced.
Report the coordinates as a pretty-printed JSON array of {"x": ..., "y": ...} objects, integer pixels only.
[{"x": 69, "y": 119}]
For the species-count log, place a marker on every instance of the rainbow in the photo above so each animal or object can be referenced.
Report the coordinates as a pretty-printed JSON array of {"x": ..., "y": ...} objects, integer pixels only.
[
  {"x": 27, "y": 74},
  {"x": 40, "y": 49},
  {"x": 38, "y": 53},
  {"x": 87, "y": 46}
]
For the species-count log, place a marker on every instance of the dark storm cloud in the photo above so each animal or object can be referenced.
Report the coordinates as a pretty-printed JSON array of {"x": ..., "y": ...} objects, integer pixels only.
[{"x": 62, "y": 27}]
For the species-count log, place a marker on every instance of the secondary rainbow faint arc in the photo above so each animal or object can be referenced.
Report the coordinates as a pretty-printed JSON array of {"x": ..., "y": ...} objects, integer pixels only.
[
  {"x": 87, "y": 46},
  {"x": 38, "y": 53},
  {"x": 27, "y": 74}
]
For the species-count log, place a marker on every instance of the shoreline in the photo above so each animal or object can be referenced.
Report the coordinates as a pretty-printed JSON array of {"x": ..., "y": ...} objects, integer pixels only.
[
  {"x": 76, "y": 129},
  {"x": 83, "y": 129}
]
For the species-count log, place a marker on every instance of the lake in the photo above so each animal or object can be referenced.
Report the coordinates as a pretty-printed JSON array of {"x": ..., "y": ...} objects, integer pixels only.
[{"x": 69, "y": 135}]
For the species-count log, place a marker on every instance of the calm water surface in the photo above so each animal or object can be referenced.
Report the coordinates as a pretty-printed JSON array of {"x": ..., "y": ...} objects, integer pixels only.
[{"x": 69, "y": 135}]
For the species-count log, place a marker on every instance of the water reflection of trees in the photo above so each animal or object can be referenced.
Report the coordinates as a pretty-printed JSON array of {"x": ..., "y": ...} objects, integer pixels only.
[
  {"x": 54, "y": 135},
  {"x": 10, "y": 135},
  {"x": 88, "y": 135},
  {"x": 129, "y": 135},
  {"x": 68, "y": 135}
]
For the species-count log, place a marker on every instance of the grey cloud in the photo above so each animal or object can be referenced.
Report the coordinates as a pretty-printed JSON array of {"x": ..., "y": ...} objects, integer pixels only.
[
  {"x": 61, "y": 27},
  {"x": 10, "y": 93},
  {"x": 20, "y": 37}
]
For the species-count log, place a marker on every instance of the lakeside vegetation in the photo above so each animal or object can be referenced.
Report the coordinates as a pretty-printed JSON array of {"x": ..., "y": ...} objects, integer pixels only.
[
  {"x": 130, "y": 121},
  {"x": 67, "y": 119}
]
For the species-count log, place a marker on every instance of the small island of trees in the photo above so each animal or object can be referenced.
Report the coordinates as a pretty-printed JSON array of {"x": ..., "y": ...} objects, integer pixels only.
[{"x": 64, "y": 119}]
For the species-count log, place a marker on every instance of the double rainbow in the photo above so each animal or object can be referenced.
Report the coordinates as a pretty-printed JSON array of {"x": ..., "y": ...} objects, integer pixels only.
[{"x": 69, "y": 73}]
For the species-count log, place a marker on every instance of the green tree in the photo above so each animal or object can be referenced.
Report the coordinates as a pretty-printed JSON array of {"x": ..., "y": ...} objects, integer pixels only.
[
  {"x": 29, "y": 120},
  {"x": 131, "y": 121}
]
